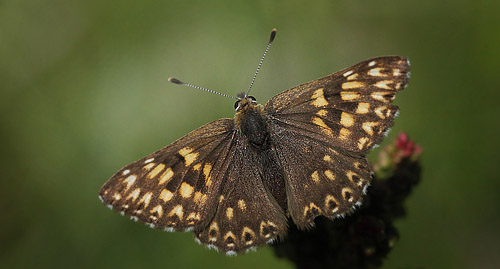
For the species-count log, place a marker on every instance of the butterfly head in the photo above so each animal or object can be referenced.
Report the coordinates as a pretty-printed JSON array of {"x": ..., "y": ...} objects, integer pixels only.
[{"x": 244, "y": 101}]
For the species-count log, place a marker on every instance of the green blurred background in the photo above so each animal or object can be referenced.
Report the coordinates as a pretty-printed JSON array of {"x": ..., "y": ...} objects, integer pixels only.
[{"x": 84, "y": 91}]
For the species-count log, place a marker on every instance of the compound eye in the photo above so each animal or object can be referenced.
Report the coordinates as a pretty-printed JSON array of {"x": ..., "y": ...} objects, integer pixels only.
[
  {"x": 253, "y": 99},
  {"x": 236, "y": 105}
]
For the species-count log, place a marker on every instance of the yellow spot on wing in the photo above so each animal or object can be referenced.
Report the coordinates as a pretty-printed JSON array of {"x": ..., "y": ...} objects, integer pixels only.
[
  {"x": 377, "y": 72},
  {"x": 329, "y": 174},
  {"x": 206, "y": 171},
  {"x": 346, "y": 119},
  {"x": 384, "y": 84},
  {"x": 270, "y": 223},
  {"x": 334, "y": 151},
  {"x": 329, "y": 198},
  {"x": 264, "y": 228},
  {"x": 356, "y": 165},
  {"x": 242, "y": 205},
  {"x": 352, "y": 85},
  {"x": 166, "y": 176},
  {"x": 348, "y": 73},
  {"x": 310, "y": 208},
  {"x": 166, "y": 195},
  {"x": 197, "y": 196},
  {"x": 134, "y": 194},
  {"x": 353, "y": 76},
  {"x": 347, "y": 194},
  {"x": 130, "y": 180},
  {"x": 146, "y": 199},
  {"x": 344, "y": 133},
  {"x": 227, "y": 235},
  {"x": 200, "y": 198},
  {"x": 157, "y": 170},
  {"x": 327, "y": 158},
  {"x": 315, "y": 176},
  {"x": 177, "y": 210},
  {"x": 363, "y": 108},
  {"x": 321, "y": 123},
  {"x": 185, "y": 151},
  {"x": 246, "y": 230},
  {"x": 362, "y": 142},
  {"x": 398, "y": 86},
  {"x": 189, "y": 156},
  {"x": 368, "y": 127},
  {"x": 186, "y": 190},
  {"x": 117, "y": 196},
  {"x": 347, "y": 96},
  {"x": 319, "y": 98},
  {"x": 213, "y": 227},
  {"x": 158, "y": 209},
  {"x": 380, "y": 96},
  {"x": 149, "y": 166},
  {"x": 229, "y": 213},
  {"x": 380, "y": 111},
  {"x": 192, "y": 217},
  {"x": 197, "y": 167},
  {"x": 350, "y": 176},
  {"x": 137, "y": 211},
  {"x": 322, "y": 113}
]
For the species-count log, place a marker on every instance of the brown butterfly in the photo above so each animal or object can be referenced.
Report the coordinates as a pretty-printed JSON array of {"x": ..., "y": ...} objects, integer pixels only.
[{"x": 234, "y": 182}]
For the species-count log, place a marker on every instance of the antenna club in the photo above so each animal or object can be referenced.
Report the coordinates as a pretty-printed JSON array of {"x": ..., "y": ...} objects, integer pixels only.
[
  {"x": 176, "y": 81},
  {"x": 273, "y": 35}
]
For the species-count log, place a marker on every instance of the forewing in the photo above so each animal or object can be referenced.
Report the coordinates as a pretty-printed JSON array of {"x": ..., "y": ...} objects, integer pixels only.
[
  {"x": 350, "y": 109},
  {"x": 175, "y": 188},
  {"x": 247, "y": 215}
]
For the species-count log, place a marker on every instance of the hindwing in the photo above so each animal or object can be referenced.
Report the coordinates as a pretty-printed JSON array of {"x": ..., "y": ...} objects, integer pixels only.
[{"x": 247, "y": 214}]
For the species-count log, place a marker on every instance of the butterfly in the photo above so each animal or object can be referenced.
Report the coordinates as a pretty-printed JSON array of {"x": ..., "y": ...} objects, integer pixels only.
[{"x": 234, "y": 182}]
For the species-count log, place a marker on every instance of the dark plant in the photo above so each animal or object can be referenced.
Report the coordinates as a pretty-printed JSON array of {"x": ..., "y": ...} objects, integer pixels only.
[{"x": 364, "y": 238}]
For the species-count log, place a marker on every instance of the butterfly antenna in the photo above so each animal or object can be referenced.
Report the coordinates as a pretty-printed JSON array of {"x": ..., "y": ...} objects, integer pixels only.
[
  {"x": 273, "y": 34},
  {"x": 176, "y": 81}
]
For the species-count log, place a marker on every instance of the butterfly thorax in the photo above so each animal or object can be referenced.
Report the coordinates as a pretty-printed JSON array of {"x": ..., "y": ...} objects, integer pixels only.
[{"x": 251, "y": 120}]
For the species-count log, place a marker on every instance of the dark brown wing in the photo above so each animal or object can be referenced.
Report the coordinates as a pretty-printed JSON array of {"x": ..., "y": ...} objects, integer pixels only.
[
  {"x": 322, "y": 129},
  {"x": 319, "y": 179},
  {"x": 247, "y": 215},
  {"x": 349, "y": 109},
  {"x": 177, "y": 187}
]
